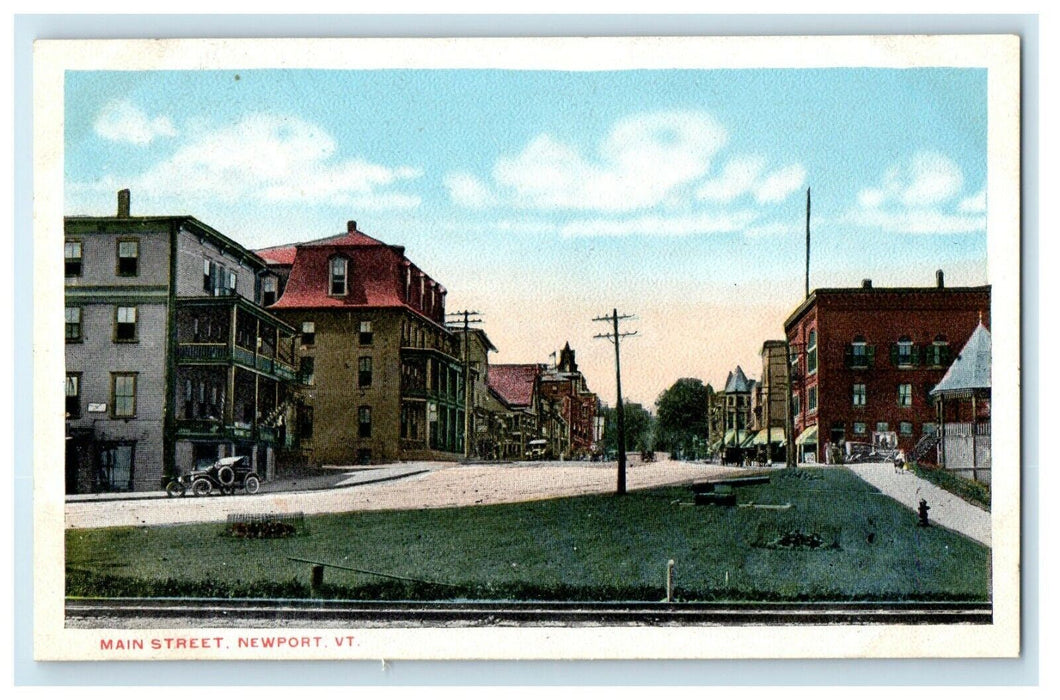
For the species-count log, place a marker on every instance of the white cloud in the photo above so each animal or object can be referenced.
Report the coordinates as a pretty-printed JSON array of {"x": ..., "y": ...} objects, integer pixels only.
[
  {"x": 974, "y": 204},
  {"x": 920, "y": 196},
  {"x": 737, "y": 178},
  {"x": 467, "y": 190},
  {"x": 640, "y": 163},
  {"x": 779, "y": 185},
  {"x": 121, "y": 120},
  {"x": 271, "y": 158},
  {"x": 925, "y": 179},
  {"x": 653, "y": 225}
]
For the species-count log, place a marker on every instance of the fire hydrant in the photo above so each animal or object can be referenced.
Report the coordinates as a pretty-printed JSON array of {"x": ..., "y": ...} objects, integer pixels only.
[{"x": 922, "y": 511}]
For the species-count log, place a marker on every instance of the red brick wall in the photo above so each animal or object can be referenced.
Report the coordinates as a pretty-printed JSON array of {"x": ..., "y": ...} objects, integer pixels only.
[{"x": 881, "y": 317}]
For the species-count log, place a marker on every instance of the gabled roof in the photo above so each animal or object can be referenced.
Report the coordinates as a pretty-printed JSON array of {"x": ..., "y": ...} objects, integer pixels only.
[
  {"x": 971, "y": 369},
  {"x": 514, "y": 384},
  {"x": 738, "y": 383}
]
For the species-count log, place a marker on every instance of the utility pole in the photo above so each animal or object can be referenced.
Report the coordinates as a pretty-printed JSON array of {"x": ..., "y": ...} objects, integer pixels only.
[
  {"x": 615, "y": 337},
  {"x": 468, "y": 390}
]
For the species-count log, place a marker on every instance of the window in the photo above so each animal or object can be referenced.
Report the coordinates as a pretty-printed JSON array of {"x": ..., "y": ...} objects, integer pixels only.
[
  {"x": 338, "y": 276},
  {"x": 73, "y": 324},
  {"x": 859, "y": 354},
  {"x": 795, "y": 407},
  {"x": 905, "y": 428},
  {"x": 860, "y": 428},
  {"x": 268, "y": 291},
  {"x": 859, "y": 395},
  {"x": 364, "y": 372},
  {"x": 125, "y": 324},
  {"x": 811, "y": 399},
  {"x": 929, "y": 428},
  {"x": 364, "y": 421},
  {"x": 811, "y": 353},
  {"x": 883, "y": 427},
  {"x": 123, "y": 394},
  {"x": 73, "y": 395},
  {"x": 905, "y": 395},
  {"x": 939, "y": 352},
  {"x": 306, "y": 367},
  {"x": 366, "y": 333},
  {"x": 232, "y": 279},
  {"x": 309, "y": 333},
  {"x": 902, "y": 352},
  {"x": 72, "y": 253},
  {"x": 207, "y": 276},
  {"x": 128, "y": 258}
]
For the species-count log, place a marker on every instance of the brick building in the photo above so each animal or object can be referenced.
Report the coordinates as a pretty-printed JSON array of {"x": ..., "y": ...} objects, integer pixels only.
[
  {"x": 170, "y": 359},
  {"x": 864, "y": 360},
  {"x": 382, "y": 375},
  {"x": 564, "y": 389},
  {"x": 515, "y": 399}
]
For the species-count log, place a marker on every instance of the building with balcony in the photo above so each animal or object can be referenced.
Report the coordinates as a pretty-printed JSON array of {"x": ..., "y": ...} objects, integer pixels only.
[
  {"x": 865, "y": 359},
  {"x": 170, "y": 359},
  {"x": 382, "y": 376}
]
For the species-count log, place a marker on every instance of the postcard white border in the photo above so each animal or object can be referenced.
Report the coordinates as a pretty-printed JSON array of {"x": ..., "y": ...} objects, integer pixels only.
[{"x": 998, "y": 54}]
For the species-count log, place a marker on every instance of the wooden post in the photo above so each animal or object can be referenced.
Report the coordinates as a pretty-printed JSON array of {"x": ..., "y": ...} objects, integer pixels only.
[
  {"x": 670, "y": 581},
  {"x": 316, "y": 579}
]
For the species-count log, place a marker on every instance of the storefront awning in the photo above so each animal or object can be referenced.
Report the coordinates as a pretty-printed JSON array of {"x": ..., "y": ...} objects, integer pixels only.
[
  {"x": 736, "y": 438},
  {"x": 761, "y": 437},
  {"x": 807, "y": 436}
]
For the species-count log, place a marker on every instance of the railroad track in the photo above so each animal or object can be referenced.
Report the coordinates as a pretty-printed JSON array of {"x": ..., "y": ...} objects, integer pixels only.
[{"x": 244, "y": 613}]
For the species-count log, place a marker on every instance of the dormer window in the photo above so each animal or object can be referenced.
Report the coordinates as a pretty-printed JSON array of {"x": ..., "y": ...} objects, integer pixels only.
[{"x": 338, "y": 285}]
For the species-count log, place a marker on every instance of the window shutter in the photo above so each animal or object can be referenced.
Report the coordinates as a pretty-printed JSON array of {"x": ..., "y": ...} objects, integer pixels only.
[
  {"x": 848, "y": 356},
  {"x": 870, "y": 353},
  {"x": 915, "y": 354},
  {"x": 894, "y": 354}
]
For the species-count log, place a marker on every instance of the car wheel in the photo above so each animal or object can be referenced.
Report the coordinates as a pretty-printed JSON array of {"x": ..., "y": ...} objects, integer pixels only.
[
  {"x": 175, "y": 489},
  {"x": 201, "y": 487},
  {"x": 252, "y": 484},
  {"x": 225, "y": 475}
]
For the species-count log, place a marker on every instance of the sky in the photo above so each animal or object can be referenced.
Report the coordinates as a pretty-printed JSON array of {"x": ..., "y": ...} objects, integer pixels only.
[{"x": 544, "y": 199}]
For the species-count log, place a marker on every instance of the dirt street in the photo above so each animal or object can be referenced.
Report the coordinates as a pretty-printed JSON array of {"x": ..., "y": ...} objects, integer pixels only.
[{"x": 439, "y": 487}]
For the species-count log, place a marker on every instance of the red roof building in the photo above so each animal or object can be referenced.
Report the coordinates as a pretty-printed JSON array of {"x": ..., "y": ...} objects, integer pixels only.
[{"x": 383, "y": 376}]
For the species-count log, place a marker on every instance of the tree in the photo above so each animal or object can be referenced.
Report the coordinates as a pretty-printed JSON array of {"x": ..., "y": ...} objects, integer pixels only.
[
  {"x": 682, "y": 412},
  {"x": 640, "y": 426}
]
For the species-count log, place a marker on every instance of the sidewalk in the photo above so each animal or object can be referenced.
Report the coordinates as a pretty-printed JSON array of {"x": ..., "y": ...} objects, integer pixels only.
[{"x": 947, "y": 510}]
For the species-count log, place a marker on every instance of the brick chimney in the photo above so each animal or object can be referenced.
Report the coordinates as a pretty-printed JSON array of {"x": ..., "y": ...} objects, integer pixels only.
[
  {"x": 866, "y": 284},
  {"x": 351, "y": 226},
  {"x": 939, "y": 280},
  {"x": 124, "y": 202}
]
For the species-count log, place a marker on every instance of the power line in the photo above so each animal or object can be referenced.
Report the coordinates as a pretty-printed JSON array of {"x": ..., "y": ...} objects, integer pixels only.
[{"x": 616, "y": 339}]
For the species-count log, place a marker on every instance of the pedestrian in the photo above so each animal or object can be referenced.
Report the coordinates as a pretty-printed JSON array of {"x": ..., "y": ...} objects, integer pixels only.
[{"x": 899, "y": 462}]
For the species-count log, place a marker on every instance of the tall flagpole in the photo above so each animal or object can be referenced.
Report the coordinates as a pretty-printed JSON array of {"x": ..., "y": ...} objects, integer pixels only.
[{"x": 807, "y": 242}]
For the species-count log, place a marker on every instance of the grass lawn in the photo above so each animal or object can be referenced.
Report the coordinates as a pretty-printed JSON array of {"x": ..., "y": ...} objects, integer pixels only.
[{"x": 583, "y": 548}]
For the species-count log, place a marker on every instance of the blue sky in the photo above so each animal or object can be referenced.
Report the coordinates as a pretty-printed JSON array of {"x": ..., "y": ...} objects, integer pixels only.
[{"x": 544, "y": 198}]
